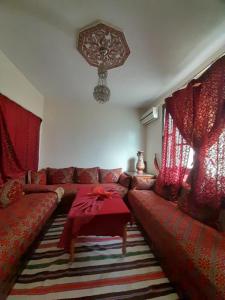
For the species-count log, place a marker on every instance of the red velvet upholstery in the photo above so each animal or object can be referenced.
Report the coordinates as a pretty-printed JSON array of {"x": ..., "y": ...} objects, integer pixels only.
[
  {"x": 191, "y": 252},
  {"x": 24, "y": 218}
]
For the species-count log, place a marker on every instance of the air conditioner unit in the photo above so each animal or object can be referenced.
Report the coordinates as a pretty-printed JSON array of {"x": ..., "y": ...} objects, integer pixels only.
[{"x": 150, "y": 115}]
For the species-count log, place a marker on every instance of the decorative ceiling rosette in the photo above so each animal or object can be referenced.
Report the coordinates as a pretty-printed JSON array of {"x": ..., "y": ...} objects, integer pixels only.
[{"x": 103, "y": 47}]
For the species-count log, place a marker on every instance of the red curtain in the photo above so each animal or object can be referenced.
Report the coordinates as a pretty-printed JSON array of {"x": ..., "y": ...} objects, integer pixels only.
[
  {"x": 199, "y": 112},
  {"x": 19, "y": 135},
  {"x": 174, "y": 160}
]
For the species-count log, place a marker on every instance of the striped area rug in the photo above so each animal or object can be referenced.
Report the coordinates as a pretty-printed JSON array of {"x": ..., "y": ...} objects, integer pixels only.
[{"x": 99, "y": 271}]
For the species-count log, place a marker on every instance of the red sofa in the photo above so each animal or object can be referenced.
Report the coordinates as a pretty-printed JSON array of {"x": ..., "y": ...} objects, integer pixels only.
[
  {"x": 192, "y": 253},
  {"x": 20, "y": 223},
  {"x": 72, "y": 179}
]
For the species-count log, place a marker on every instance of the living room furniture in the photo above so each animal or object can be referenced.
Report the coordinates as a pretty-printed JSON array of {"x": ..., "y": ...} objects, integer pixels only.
[
  {"x": 191, "y": 253},
  {"x": 20, "y": 224},
  {"x": 72, "y": 179},
  {"x": 91, "y": 215}
]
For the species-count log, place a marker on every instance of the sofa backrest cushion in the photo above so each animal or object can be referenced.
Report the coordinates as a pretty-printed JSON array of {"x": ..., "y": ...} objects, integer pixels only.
[
  {"x": 109, "y": 175},
  {"x": 142, "y": 183},
  {"x": 37, "y": 177},
  {"x": 86, "y": 175},
  {"x": 10, "y": 192},
  {"x": 58, "y": 176}
]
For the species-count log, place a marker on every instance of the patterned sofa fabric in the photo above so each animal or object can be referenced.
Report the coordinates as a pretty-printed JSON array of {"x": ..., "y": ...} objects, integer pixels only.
[
  {"x": 191, "y": 252},
  {"x": 37, "y": 177},
  {"x": 19, "y": 225},
  {"x": 86, "y": 175},
  {"x": 59, "y": 176},
  {"x": 109, "y": 175}
]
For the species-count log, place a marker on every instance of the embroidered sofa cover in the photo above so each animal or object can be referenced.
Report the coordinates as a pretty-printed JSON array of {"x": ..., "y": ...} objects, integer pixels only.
[
  {"x": 193, "y": 254},
  {"x": 20, "y": 223}
]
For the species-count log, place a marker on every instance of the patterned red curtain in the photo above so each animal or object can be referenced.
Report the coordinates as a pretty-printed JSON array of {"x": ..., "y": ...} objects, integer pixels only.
[
  {"x": 175, "y": 156},
  {"x": 19, "y": 136},
  {"x": 199, "y": 113},
  {"x": 208, "y": 177}
]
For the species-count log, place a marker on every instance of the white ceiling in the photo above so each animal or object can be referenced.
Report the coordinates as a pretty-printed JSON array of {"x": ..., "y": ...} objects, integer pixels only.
[{"x": 169, "y": 41}]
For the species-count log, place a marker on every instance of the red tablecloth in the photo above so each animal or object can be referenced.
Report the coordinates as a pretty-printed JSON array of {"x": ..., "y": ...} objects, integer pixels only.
[{"x": 106, "y": 218}]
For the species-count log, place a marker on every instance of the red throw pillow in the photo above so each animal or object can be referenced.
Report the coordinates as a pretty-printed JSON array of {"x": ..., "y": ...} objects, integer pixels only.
[
  {"x": 124, "y": 180},
  {"x": 87, "y": 175},
  {"x": 11, "y": 191},
  {"x": 37, "y": 177},
  {"x": 58, "y": 176},
  {"x": 110, "y": 175},
  {"x": 142, "y": 183}
]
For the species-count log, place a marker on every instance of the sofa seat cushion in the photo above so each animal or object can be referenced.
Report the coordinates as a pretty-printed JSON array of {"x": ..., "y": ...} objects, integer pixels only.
[
  {"x": 192, "y": 251},
  {"x": 19, "y": 225},
  {"x": 70, "y": 189}
]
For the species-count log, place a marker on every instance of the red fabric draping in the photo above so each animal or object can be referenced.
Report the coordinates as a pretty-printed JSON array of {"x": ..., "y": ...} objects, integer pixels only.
[
  {"x": 174, "y": 160},
  {"x": 95, "y": 212},
  {"x": 156, "y": 164},
  {"x": 19, "y": 134},
  {"x": 199, "y": 112},
  {"x": 83, "y": 210}
]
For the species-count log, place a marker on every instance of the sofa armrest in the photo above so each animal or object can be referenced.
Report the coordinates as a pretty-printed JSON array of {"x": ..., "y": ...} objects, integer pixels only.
[
  {"x": 39, "y": 188},
  {"x": 125, "y": 180}
]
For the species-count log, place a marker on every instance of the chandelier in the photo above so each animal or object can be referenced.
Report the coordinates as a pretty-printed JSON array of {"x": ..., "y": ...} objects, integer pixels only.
[{"x": 103, "y": 47}]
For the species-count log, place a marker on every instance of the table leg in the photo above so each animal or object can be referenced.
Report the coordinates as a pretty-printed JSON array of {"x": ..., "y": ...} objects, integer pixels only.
[
  {"x": 72, "y": 246},
  {"x": 124, "y": 251},
  {"x": 132, "y": 220}
]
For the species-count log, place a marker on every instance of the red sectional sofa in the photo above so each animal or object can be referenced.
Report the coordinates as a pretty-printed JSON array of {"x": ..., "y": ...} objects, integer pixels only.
[
  {"x": 72, "y": 179},
  {"x": 192, "y": 253},
  {"x": 20, "y": 223}
]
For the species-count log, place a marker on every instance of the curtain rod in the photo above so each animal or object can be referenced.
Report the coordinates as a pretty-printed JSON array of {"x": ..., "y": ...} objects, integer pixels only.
[
  {"x": 210, "y": 64},
  {"x": 197, "y": 75}
]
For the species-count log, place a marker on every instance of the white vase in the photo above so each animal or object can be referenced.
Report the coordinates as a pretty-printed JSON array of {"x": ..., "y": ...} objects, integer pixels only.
[{"x": 140, "y": 165}]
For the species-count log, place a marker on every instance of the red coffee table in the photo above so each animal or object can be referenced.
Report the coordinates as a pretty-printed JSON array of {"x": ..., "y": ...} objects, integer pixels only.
[{"x": 110, "y": 220}]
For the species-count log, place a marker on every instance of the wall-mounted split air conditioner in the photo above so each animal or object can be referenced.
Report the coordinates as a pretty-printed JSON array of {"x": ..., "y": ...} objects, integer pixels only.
[{"x": 151, "y": 115}]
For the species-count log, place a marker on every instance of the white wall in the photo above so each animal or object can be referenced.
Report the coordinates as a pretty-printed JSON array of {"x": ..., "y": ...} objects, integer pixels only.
[
  {"x": 90, "y": 135},
  {"x": 153, "y": 136},
  {"x": 15, "y": 86}
]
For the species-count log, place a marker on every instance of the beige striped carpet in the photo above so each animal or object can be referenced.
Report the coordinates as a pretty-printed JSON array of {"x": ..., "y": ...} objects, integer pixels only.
[{"x": 99, "y": 271}]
